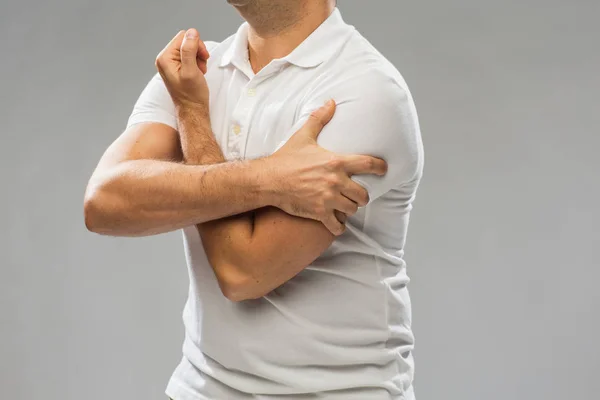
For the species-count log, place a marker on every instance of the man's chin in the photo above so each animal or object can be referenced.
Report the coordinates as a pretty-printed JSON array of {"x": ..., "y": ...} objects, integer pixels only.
[{"x": 239, "y": 3}]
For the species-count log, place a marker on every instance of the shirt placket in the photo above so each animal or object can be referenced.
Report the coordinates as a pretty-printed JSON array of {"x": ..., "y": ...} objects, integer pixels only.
[{"x": 240, "y": 121}]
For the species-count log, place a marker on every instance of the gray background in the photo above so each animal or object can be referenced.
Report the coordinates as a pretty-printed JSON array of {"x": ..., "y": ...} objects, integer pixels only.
[{"x": 504, "y": 236}]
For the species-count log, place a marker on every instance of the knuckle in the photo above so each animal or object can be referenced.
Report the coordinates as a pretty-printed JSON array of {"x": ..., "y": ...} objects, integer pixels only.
[
  {"x": 328, "y": 197},
  {"x": 335, "y": 163},
  {"x": 315, "y": 119},
  {"x": 159, "y": 61},
  {"x": 333, "y": 181},
  {"x": 315, "y": 115},
  {"x": 369, "y": 163}
]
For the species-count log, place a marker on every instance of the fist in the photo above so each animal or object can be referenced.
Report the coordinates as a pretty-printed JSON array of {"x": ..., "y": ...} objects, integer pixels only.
[{"x": 182, "y": 65}]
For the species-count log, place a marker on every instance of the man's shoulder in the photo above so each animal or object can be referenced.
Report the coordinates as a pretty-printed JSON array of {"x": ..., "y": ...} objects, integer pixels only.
[{"x": 360, "y": 67}]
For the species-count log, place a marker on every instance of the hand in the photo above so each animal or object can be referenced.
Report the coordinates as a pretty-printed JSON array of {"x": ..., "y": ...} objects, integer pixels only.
[
  {"x": 314, "y": 183},
  {"x": 182, "y": 65}
]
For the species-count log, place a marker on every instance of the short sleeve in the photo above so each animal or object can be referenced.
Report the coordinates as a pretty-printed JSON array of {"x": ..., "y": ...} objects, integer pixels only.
[
  {"x": 375, "y": 116},
  {"x": 155, "y": 104}
]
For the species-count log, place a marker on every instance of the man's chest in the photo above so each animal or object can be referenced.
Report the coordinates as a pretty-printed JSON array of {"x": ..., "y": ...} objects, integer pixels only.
[{"x": 252, "y": 118}]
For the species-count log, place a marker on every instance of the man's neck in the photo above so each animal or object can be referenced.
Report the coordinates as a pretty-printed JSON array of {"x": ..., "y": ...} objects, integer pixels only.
[{"x": 283, "y": 30}]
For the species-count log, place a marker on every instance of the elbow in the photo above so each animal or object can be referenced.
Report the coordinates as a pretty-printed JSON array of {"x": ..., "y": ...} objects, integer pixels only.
[
  {"x": 236, "y": 285},
  {"x": 237, "y": 294},
  {"x": 96, "y": 210},
  {"x": 92, "y": 210}
]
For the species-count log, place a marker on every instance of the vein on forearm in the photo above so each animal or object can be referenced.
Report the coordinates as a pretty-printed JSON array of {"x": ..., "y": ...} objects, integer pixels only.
[
  {"x": 200, "y": 147},
  {"x": 256, "y": 251}
]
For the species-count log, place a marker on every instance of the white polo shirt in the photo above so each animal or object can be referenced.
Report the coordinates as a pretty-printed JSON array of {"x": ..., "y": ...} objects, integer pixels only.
[{"x": 341, "y": 329}]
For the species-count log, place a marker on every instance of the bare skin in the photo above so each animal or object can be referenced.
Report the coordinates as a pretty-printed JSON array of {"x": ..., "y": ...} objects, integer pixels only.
[
  {"x": 277, "y": 27},
  {"x": 252, "y": 253},
  {"x": 142, "y": 186},
  {"x": 154, "y": 179}
]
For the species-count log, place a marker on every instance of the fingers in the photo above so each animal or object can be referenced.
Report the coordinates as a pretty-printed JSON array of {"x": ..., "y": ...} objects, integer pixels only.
[
  {"x": 170, "y": 56},
  {"x": 190, "y": 48},
  {"x": 334, "y": 226},
  {"x": 340, "y": 216},
  {"x": 193, "y": 52},
  {"x": 336, "y": 221},
  {"x": 202, "y": 51},
  {"x": 356, "y": 193},
  {"x": 357, "y": 165},
  {"x": 203, "y": 56},
  {"x": 346, "y": 206},
  {"x": 318, "y": 119},
  {"x": 169, "y": 53},
  {"x": 175, "y": 44}
]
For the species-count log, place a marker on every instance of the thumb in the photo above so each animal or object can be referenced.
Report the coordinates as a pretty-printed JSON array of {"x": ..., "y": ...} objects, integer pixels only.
[
  {"x": 189, "y": 50},
  {"x": 319, "y": 118}
]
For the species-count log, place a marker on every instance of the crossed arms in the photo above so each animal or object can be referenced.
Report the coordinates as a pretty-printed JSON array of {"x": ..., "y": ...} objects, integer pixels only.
[{"x": 260, "y": 225}]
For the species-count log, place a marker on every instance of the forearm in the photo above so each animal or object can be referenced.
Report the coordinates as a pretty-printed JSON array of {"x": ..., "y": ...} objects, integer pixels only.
[
  {"x": 200, "y": 147},
  {"x": 146, "y": 197},
  {"x": 248, "y": 251},
  {"x": 253, "y": 262}
]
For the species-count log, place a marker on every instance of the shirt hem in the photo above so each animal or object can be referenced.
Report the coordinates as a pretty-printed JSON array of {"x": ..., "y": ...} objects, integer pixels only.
[{"x": 176, "y": 390}]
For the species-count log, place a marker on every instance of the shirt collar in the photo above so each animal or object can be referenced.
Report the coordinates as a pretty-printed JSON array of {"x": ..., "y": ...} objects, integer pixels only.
[{"x": 313, "y": 51}]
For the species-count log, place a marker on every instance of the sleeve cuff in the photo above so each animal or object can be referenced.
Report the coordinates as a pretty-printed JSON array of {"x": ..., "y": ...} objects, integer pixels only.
[{"x": 154, "y": 116}]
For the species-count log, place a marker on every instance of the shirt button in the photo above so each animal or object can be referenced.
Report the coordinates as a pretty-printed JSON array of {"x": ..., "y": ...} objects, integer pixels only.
[
  {"x": 236, "y": 129},
  {"x": 251, "y": 92}
]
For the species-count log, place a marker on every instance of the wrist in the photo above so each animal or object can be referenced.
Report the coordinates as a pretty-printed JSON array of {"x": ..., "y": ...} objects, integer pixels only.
[
  {"x": 196, "y": 113},
  {"x": 269, "y": 182}
]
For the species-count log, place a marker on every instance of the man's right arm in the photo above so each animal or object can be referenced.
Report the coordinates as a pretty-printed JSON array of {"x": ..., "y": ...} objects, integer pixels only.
[{"x": 141, "y": 188}]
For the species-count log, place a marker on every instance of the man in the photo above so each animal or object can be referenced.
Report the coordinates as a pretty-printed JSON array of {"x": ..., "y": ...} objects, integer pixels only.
[{"x": 222, "y": 143}]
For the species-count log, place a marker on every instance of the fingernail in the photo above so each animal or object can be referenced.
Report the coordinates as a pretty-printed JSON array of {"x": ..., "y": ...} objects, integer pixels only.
[
  {"x": 191, "y": 34},
  {"x": 329, "y": 103}
]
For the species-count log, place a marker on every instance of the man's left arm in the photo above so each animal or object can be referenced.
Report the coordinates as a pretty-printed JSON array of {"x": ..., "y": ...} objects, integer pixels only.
[
  {"x": 254, "y": 253},
  {"x": 251, "y": 253}
]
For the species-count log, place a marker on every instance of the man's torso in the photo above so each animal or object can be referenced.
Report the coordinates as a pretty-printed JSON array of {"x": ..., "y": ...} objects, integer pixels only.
[{"x": 341, "y": 329}]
